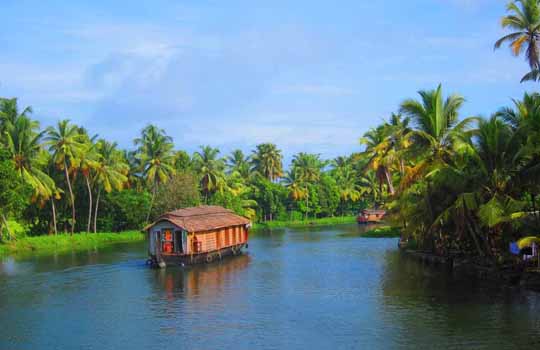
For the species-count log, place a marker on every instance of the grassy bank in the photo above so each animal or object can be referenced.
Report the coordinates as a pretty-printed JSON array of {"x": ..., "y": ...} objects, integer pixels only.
[
  {"x": 42, "y": 245},
  {"x": 305, "y": 223},
  {"x": 63, "y": 242},
  {"x": 382, "y": 232}
]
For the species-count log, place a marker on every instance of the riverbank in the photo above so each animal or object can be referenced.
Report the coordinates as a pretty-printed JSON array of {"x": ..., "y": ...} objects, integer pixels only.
[
  {"x": 64, "y": 242},
  {"x": 383, "y": 232},
  {"x": 50, "y": 244},
  {"x": 524, "y": 274},
  {"x": 338, "y": 220}
]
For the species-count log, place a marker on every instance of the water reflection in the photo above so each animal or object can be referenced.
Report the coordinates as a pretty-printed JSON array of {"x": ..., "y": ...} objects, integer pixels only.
[
  {"x": 423, "y": 305},
  {"x": 199, "y": 282},
  {"x": 315, "y": 288}
]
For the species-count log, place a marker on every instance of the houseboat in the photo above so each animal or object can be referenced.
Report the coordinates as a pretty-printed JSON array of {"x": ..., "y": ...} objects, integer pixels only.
[
  {"x": 370, "y": 216},
  {"x": 196, "y": 235}
]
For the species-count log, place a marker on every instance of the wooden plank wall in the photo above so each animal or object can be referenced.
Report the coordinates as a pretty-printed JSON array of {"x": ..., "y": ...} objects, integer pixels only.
[{"x": 218, "y": 239}]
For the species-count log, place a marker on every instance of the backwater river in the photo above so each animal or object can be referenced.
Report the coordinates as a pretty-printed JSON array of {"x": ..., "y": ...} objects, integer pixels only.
[{"x": 308, "y": 288}]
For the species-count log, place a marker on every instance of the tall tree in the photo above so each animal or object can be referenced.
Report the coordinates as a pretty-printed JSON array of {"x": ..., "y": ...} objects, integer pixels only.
[
  {"x": 437, "y": 130},
  {"x": 110, "y": 172},
  {"x": 156, "y": 158},
  {"x": 64, "y": 143},
  {"x": 267, "y": 160},
  {"x": 524, "y": 20},
  {"x": 210, "y": 169},
  {"x": 22, "y": 140},
  {"x": 307, "y": 168},
  {"x": 9, "y": 113},
  {"x": 238, "y": 162},
  {"x": 88, "y": 161}
]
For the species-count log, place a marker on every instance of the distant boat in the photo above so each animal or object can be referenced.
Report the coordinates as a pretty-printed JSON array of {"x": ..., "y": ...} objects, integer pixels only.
[
  {"x": 196, "y": 235},
  {"x": 370, "y": 216}
]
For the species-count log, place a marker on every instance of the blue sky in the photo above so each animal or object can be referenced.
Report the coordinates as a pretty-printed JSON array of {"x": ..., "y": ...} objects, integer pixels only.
[{"x": 309, "y": 76}]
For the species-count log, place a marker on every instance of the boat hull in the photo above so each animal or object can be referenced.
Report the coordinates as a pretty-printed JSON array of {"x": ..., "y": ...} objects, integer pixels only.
[{"x": 198, "y": 258}]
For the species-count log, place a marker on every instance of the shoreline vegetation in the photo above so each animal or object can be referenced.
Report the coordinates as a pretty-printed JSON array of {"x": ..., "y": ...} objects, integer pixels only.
[
  {"x": 338, "y": 220},
  {"x": 383, "y": 231},
  {"x": 458, "y": 185},
  {"x": 51, "y": 244}
]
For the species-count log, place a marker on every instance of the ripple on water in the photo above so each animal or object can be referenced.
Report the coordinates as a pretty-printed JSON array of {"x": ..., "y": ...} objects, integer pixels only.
[{"x": 318, "y": 288}]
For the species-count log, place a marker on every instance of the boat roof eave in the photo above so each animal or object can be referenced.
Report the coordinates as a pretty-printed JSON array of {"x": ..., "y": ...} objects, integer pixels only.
[{"x": 149, "y": 226}]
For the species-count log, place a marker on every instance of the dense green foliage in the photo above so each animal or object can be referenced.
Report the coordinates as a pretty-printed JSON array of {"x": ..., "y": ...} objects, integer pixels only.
[
  {"x": 452, "y": 183},
  {"x": 463, "y": 184},
  {"x": 76, "y": 182}
]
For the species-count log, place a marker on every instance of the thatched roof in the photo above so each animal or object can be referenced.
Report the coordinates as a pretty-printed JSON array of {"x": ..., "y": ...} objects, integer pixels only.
[{"x": 202, "y": 218}]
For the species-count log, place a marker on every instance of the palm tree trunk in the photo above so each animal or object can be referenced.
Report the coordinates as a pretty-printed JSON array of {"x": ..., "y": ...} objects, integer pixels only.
[
  {"x": 307, "y": 205},
  {"x": 7, "y": 227},
  {"x": 71, "y": 197},
  {"x": 54, "y": 216},
  {"x": 151, "y": 202},
  {"x": 389, "y": 182},
  {"x": 96, "y": 211},
  {"x": 90, "y": 205}
]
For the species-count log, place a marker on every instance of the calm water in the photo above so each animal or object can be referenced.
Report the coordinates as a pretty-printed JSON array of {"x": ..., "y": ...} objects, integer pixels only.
[{"x": 300, "y": 289}]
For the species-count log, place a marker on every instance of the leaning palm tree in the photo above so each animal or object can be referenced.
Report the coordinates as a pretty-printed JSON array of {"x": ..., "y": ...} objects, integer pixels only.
[
  {"x": 267, "y": 161},
  {"x": 210, "y": 169},
  {"x": 524, "y": 19},
  {"x": 110, "y": 171},
  {"x": 64, "y": 143},
  {"x": 22, "y": 140},
  {"x": 156, "y": 158}
]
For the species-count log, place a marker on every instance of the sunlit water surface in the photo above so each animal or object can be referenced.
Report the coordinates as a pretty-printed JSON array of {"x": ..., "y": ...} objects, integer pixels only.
[{"x": 316, "y": 288}]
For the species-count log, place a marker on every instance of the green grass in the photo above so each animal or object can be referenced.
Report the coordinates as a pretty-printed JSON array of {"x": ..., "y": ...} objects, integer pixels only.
[
  {"x": 63, "y": 242},
  {"x": 382, "y": 232},
  {"x": 305, "y": 223}
]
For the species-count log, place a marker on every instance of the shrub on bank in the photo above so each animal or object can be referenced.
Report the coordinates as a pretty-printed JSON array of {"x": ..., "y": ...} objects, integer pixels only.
[
  {"x": 64, "y": 242},
  {"x": 383, "y": 232}
]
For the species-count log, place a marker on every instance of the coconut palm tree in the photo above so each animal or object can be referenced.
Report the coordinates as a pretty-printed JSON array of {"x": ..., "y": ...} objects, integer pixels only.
[
  {"x": 156, "y": 158},
  {"x": 297, "y": 188},
  {"x": 22, "y": 140},
  {"x": 437, "y": 130},
  {"x": 524, "y": 20},
  {"x": 267, "y": 161},
  {"x": 110, "y": 171},
  {"x": 307, "y": 169},
  {"x": 9, "y": 113},
  {"x": 368, "y": 185},
  {"x": 346, "y": 179},
  {"x": 238, "y": 162},
  {"x": 88, "y": 162},
  {"x": 64, "y": 143},
  {"x": 379, "y": 150},
  {"x": 524, "y": 120},
  {"x": 210, "y": 169}
]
